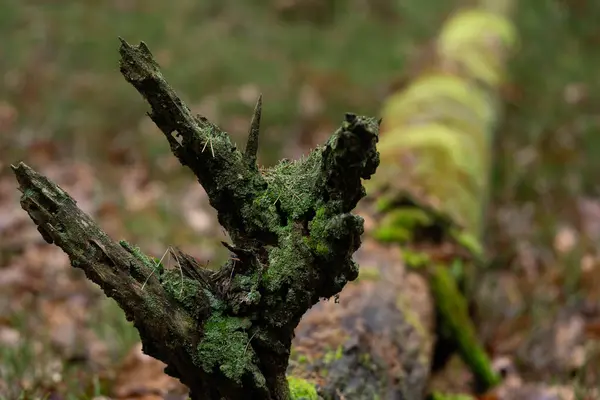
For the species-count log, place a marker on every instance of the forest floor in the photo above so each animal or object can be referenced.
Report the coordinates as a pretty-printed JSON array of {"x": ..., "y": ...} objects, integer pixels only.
[{"x": 68, "y": 113}]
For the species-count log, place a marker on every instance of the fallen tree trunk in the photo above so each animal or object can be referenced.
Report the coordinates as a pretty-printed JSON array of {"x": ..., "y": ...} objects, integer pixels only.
[
  {"x": 436, "y": 154},
  {"x": 427, "y": 200},
  {"x": 225, "y": 334}
]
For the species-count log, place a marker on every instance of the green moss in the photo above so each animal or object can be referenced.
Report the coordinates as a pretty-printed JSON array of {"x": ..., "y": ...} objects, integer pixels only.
[
  {"x": 263, "y": 211},
  {"x": 415, "y": 259},
  {"x": 331, "y": 356},
  {"x": 319, "y": 228},
  {"x": 301, "y": 389},
  {"x": 157, "y": 264},
  {"x": 302, "y": 359},
  {"x": 384, "y": 203},
  {"x": 322, "y": 249},
  {"x": 399, "y": 225},
  {"x": 182, "y": 289},
  {"x": 281, "y": 268},
  {"x": 292, "y": 184},
  {"x": 365, "y": 360},
  {"x": 216, "y": 304},
  {"x": 286, "y": 278},
  {"x": 153, "y": 266},
  {"x": 454, "y": 316},
  {"x": 284, "y": 262},
  {"x": 245, "y": 282},
  {"x": 225, "y": 346},
  {"x": 137, "y": 253},
  {"x": 253, "y": 297},
  {"x": 468, "y": 241}
]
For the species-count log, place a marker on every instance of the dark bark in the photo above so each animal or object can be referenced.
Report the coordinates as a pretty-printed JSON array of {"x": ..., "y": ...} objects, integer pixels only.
[{"x": 225, "y": 334}]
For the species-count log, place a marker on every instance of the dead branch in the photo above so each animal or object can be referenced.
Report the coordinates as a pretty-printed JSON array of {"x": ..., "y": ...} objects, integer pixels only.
[{"x": 225, "y": 334}]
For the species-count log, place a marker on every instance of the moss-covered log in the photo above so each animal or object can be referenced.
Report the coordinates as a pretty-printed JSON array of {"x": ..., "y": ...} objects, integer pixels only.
[
  {"x": 436, "y": 155},
  {"x": 225, "y": 334}
]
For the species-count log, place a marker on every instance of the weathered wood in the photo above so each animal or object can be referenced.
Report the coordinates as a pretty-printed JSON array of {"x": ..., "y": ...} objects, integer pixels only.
[{"x": 225, "y": 334}]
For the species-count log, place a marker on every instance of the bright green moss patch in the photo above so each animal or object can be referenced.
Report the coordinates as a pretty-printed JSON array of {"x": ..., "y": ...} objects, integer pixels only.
[
  {"x": 182, "y": 289},
  {"x": 468, "y": 241},
  {"x": 216, "y": 304},
  {"x": 319, "y": 228},
  {"x": 415, "y": 259},
  {"x": 300, "y": 389},
  {"x": 152, "y": 264},
  {"x": 225, "y": 346},
  {"x": 384, "y": 203},
  {"x": 302, "y": 359},
  {"x": 322, "y": 249},
  {"x": 284, "y": 263},
  {"x": 245, "y": 282},
  {"x": 331, "y": 356},
  {"x": 292, "y": 184},
  {"x": 291, "y": 194},
  {"x": 399, "y": 225},
  {"x": 452, "y": 308},
  {"x": 138, "y": 254},
  {"x": 253, "y": 297},
  {"x": 392, "y": 234},
  {"x": 318, "y": 225}
]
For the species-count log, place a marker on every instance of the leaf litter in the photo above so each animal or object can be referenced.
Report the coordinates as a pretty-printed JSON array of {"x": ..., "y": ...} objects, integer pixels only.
[{"x": 59, "y": 335}]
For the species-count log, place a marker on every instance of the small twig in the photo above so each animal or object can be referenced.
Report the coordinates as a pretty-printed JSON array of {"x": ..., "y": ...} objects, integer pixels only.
[
  {"x": 155, "y": 268},
  {"x": 212, "y": 150},
  {"x": 249, "y": 340}
]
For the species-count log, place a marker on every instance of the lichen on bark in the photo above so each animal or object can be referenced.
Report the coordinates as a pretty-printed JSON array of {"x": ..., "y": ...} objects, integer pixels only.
[{"x": 225, "y": 334}]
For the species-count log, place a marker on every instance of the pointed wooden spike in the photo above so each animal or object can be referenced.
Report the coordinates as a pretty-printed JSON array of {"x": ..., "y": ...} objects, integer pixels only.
[{"x": 252, "y": 144}]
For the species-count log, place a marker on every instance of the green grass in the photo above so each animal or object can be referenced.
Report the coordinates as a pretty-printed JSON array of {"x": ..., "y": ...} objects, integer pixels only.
[
  {"x": 31, "y": 370},
  {"x": 556, "y": 58},
  {"x": 112, "y": 328},
  {"x": 67, "y": 51}
]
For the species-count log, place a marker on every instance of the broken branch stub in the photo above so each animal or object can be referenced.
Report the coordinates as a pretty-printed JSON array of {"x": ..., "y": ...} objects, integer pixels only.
[{"x": 226, "y": 334}]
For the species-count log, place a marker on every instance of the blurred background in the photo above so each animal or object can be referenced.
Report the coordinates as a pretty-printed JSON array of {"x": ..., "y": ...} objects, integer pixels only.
[{"x": 66, "y": 111}]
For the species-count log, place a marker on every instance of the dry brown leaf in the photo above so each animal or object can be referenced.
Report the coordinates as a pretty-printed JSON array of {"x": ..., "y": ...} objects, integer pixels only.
[{"x": 142, "y": 377}]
